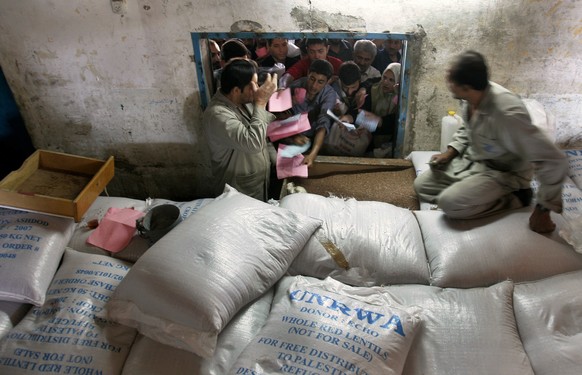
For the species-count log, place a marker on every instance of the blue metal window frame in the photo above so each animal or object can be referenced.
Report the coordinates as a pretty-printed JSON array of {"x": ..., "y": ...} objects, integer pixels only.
[{"x": 197, "y": 38}]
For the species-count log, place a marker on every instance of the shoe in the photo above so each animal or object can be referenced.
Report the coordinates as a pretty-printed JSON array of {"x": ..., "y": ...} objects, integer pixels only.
[{"x": 524, "y": 195}]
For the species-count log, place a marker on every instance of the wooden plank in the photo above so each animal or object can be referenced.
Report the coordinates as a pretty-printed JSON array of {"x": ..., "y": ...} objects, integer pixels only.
[
  {"x": 38, "y": 203},
  {"x": 329, "y": 165},
  {"x": 16, "y": 178},
  {"x": 57, "y": 161},
  {"x": 92, "y": 190}
]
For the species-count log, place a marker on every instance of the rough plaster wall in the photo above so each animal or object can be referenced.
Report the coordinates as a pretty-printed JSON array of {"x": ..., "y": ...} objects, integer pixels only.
[
  {"x": 95, "y": 83},
  {"x": 533, "y": 48}
]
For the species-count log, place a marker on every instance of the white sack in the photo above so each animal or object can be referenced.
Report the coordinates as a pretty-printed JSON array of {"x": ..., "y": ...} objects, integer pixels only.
[
  {"x": 5, "y": 323},
  {"x": 464, "y": 331},
  {"x": 420, "y": 160},
  {"x": 11, "y": 313},
  {"x": 31, "y": 247},
  {"x": 482, "y": 252},
  {"x": 541, "y": 118},
  {"x": 186, "y": 208},
  {"x": 69, "y": 333},
  {"x": 575, "y": 166},
  {"x": 326, "y": 327},
  {"x": 571, "y": 198},
  {"x": 151, "y": 357},
  {"x": 570, "y": 228},
  {"x": 185, "y": 289},
  {"x": 381, "y": 242},
  {"x": 549, "y": 319},
  {"x": 571, "y": 232}
]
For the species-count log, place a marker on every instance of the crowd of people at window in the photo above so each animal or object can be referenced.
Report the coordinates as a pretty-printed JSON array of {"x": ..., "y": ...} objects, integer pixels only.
[{"x": 350, "y": 79}]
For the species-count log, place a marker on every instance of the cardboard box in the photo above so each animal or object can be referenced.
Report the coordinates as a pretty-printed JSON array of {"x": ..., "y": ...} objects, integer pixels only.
[{"x": 56, "y": 183}]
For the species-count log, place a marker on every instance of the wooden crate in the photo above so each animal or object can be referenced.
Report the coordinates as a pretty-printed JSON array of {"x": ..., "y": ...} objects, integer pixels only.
[
  {"x": 56, "y": 183},
  {"x": 368, "y": 179}
]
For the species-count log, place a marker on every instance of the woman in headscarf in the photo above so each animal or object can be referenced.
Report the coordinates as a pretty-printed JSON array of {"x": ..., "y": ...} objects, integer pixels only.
[{"x": 382, "y": 100}]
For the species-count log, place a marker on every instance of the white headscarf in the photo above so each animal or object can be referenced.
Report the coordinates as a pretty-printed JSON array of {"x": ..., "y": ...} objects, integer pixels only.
[
  {"x": 382, "y": 103},
  {"x": 395, "y": 68}
]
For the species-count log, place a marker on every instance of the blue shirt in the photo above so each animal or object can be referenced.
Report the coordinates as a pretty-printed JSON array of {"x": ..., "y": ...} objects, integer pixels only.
[{"x": 316, "y": 108}]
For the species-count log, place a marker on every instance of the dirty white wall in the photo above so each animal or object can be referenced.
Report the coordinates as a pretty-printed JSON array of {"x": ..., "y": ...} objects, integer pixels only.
[{"x": 97, "y": 83}]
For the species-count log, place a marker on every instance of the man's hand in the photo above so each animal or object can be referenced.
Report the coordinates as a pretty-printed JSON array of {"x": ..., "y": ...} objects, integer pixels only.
[
  {"x": 309, "y": 160},
  {"x": 263, "y": 93},
  {"x": 347, "y": 118},
  {"x": 299, "y": 139},
  {"x": 285, "y": 80},
  {"x": 445, "y": 157},
  {"x": 360, "y": 97},
  {"x": 540, "y": 221},
  {"x": 317, "y": 143},
  {"x": 360, "y": 131}
]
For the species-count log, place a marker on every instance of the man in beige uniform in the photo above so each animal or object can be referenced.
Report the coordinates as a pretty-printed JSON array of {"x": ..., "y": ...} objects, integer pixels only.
[
  {"x": 489, "y": 165},
  {"x": 236, "y": 127}
]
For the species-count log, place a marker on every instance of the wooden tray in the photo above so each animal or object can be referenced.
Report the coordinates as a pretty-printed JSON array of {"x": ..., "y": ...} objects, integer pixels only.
[{"x": 56, "y": 183}]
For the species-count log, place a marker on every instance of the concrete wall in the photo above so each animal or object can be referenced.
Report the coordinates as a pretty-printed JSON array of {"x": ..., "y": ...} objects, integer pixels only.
[{"x": 96, "y": 83}]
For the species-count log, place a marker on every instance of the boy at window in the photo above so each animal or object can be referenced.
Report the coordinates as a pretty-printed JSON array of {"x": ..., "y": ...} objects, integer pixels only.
[{"x": 319, "y": 98}]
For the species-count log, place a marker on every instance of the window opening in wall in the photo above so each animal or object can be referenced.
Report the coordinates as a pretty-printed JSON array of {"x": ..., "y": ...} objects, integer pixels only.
[{"x": 204, "y": 55}]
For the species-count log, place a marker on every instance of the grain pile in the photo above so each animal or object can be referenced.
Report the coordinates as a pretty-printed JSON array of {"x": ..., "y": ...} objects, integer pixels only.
[{"x": 390, "y": 184}]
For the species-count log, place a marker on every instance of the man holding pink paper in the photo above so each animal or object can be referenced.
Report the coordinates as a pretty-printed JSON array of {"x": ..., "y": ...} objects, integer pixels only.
[
  {"x": 312, "y": 95},
  {"x": 236, "y": 127}
]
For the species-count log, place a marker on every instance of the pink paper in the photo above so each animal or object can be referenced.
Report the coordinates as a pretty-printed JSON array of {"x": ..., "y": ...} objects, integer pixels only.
[
  {"x": 299, "y": 95},
  {"x": 261, "y": 52},
  {"x": 280, "y": 101},
  {"x": 290, "y": 167},
  {"x": 285, "y": 128},
  {"x": 116, "y": 229}
]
